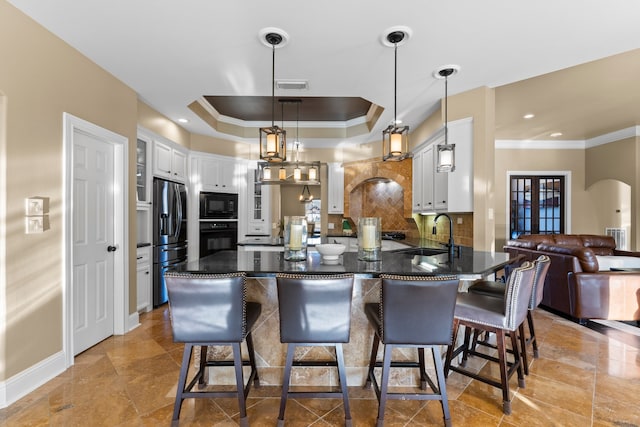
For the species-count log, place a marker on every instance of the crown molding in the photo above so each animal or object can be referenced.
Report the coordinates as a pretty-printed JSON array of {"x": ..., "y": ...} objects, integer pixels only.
[{"x": 515, "y": 144}]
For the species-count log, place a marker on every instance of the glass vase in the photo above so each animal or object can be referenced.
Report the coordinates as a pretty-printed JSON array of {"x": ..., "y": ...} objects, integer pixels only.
[
  {"x": 369, "y": 239},
  {"x": 295, "y": 238}
]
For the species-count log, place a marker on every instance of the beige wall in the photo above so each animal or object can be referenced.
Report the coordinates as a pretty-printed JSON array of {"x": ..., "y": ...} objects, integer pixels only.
[
  {"x": 42, "y": 78},
  {"x": 582, "y": 216},
  {"x": 620, "y": 161}
]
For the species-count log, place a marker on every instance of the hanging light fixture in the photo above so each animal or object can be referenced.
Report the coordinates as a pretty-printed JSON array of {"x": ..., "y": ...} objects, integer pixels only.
[
  {"x": 266, "y": 173},
  {"x": 395, "y": 139},
  {"x": 273, "y": 140},
  {"x": 306, "y": 195},
  {"x": 446, "y": 152}
]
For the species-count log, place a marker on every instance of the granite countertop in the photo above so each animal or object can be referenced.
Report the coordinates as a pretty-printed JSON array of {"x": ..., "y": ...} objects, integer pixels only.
[{"x": 267, "y": 264}]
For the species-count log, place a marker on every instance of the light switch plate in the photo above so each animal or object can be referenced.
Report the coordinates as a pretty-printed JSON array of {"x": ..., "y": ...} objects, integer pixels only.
[{"x": 330, "y": 226}]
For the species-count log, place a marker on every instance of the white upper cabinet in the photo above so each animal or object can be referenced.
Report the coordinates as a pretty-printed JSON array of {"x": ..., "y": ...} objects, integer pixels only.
[
  {"x": 217, "y": 174},
  {"x": 435, "y": 191},
  {"x": 335, "y": 191},
  {"x": 169, "y": 161}
]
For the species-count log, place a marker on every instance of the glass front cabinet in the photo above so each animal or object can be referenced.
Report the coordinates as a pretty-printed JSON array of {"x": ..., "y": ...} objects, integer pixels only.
[{"x": 259, "y": 206}]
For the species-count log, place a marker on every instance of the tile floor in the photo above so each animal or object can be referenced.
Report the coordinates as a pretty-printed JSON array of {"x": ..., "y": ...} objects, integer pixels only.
[{"x": 582, "y": 378}]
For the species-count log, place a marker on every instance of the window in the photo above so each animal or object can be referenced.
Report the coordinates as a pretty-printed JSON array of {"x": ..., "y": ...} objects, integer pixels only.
[{"x": 537, "y": 205}]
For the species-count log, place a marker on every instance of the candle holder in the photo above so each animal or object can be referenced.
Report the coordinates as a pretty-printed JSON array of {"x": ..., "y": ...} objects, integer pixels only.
[
  {"x": 369, "y": 239},
  {"x": 295, "y": 238}
]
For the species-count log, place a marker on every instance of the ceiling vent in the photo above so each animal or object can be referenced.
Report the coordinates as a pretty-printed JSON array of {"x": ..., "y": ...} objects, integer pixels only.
[{"x": 292, "y": 84}]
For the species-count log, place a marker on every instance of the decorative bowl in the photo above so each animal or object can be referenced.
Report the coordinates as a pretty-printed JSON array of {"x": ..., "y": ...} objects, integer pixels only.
[{"x": 330, "y": 251}]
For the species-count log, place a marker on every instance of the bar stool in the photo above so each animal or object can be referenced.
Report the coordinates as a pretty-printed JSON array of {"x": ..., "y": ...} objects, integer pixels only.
[
  {"x": 496, "y": 289},
  {"x": 315, "y": 310},
  {"x": 499, "y": 316},
  {"x": 210, "y": 309},
  {"x": 413, "y": 311}
]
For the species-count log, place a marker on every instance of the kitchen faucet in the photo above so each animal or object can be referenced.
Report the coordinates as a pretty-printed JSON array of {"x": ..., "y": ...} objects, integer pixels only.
[{"x": 450, "y": 245}]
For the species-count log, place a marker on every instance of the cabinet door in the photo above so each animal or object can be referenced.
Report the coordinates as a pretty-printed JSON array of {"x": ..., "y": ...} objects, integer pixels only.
[
  {"x": 179, "y": 165},
  {"x": 227, "y": 176},
  {"x": 142, "y": 171},
  {"x": 440, "y": 184},
  {"x": 143, "y": 279},
  {"x": 259, "y": 206},
  {"x": 162, "y": 159},
  {"x": 417, "y": 182},
  {"x": 209, "y": 172},
  {"x": 335, "y": 191},
  {"x": 461, "y": 179},
  {"x": 428, "y": 164}
]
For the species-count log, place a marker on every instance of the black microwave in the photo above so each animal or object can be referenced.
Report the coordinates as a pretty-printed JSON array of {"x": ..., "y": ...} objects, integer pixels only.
[{"x": 218, "y": 205}]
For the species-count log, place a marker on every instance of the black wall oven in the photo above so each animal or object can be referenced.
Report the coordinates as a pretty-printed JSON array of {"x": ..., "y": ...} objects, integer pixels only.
[
  {"x": 218, "y": 205},
  {"x": 217, "y": 236}
]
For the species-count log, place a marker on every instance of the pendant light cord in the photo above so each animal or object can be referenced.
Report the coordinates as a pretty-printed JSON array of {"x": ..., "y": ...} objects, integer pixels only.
[
  {"x": 395, "y": 86},
  {"x": 446, "y": 110},
  {"x": 273, "y": 84}
]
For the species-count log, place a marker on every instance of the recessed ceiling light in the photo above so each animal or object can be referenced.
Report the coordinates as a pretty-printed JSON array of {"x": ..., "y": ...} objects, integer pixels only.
[
  {"x": 528, "y": 116},
  {"x": 556, "y": 134},
  {"x": 182, "y": 120}
]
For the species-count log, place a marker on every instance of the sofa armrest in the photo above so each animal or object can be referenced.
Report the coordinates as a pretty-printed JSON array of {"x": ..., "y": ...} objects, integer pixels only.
[
  {"x": 605, "y": 295},
  {"x": 586, "y": 256}
]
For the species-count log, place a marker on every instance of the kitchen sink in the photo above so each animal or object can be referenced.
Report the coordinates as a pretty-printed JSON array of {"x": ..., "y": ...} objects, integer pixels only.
[{"x": 421, "y": 251}]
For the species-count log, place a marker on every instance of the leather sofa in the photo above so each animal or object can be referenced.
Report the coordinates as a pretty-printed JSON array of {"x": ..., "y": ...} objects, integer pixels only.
[{"x": 576, "y": 284}]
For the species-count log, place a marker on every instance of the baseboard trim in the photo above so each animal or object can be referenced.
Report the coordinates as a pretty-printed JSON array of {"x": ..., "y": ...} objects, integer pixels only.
[
  {"x": 134, "y": 321},
  {"x": 30, "y": 379}
]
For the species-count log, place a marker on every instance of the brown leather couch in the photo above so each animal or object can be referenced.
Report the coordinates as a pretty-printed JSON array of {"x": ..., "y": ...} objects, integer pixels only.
[{"x": 574, "y": 285}]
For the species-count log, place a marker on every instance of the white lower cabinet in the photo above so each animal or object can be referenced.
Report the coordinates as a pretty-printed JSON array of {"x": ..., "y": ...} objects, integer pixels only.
[{"x": 143, "y": 282}]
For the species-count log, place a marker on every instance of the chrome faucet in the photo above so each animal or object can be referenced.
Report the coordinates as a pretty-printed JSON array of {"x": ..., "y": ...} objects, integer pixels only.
[{"x": 450, "y": 245}]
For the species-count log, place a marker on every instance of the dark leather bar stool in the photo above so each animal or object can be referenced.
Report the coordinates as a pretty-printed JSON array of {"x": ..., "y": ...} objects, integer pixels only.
[
  {"x": 206, "y": 310},
  {"x": 497, "y": 289},
  {"x": 315, "y": 310},
  {"x": 499, "y": 316},
  {"x": 413, "y": 312}
]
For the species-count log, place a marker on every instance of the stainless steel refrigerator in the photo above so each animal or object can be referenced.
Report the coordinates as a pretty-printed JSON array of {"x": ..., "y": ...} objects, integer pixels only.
[{"x": 169, "y": 233}]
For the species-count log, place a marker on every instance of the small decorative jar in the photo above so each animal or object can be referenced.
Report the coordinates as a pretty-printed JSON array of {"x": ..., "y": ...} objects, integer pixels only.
[
  {"x": 295, "y": 238},
  {"x": 369, "y": 239}
]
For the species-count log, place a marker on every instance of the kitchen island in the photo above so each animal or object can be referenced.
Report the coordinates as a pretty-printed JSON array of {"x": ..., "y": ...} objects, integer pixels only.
[{"x": 261, "y": 268}]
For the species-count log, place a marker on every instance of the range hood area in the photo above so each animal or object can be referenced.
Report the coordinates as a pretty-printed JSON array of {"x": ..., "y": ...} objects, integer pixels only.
[{"x": 380, "y": 189}]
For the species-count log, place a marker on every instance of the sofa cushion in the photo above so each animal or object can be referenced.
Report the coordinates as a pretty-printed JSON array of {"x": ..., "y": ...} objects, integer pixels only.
[
  {"x": 568, "y": 239},
  {"x": 601, "y": 245}
]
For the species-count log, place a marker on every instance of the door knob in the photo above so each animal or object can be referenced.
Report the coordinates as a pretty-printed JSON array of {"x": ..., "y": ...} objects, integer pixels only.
[{"x": 111, "y": 248}]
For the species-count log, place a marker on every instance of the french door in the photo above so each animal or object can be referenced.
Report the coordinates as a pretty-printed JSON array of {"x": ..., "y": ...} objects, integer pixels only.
[{"x": 537, "y": 205}]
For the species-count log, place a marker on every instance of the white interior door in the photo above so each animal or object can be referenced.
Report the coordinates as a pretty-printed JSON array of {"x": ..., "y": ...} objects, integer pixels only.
[{"x": 93, "y": 240}]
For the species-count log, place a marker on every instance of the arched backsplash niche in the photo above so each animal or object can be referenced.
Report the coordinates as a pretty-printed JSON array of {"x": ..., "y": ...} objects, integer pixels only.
[{"x": 380, "y": 189}]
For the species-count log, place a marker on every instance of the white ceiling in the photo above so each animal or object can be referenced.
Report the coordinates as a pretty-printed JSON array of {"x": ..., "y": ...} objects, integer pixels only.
[{"x": 174, "y": 52}]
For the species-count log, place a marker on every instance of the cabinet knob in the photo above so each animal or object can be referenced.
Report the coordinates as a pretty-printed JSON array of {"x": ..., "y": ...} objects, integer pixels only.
[{"x": 146, "y": 272}]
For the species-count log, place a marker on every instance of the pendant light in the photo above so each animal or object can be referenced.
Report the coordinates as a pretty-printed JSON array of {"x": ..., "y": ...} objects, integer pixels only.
[
  {"x": 273, "y": 140},
  {"x": 395, "y": 139},
  {"x": 306, "y": 195},
  {"x": 446, "y": 161}
]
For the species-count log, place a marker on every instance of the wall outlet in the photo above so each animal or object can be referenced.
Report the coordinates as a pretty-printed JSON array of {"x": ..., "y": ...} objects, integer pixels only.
[
  {"x": 459, "y": 220},
  {"x": 330, "y": 226},
  {"x": 36, "y": 224}
]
